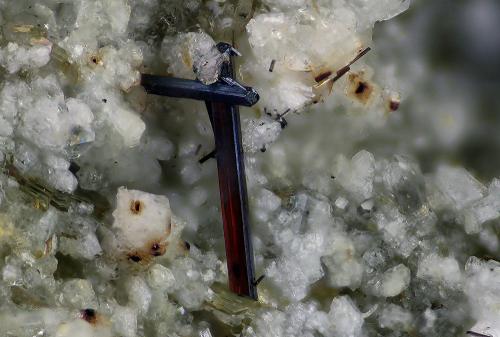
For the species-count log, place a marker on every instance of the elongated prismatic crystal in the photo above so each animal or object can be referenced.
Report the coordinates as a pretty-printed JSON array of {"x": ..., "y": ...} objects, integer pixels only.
[{"x": 222, "y": 99}]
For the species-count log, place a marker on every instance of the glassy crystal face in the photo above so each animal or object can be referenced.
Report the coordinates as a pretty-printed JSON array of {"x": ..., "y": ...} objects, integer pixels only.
[{"x": 111, "y": 226}]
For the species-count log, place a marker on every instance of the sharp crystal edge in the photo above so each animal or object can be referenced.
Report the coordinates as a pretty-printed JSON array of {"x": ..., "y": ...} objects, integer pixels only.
[
  {"x": 193, "y": 89},
  {"x": 225, "y": 121},
  {"x": 222, "y": 100}
]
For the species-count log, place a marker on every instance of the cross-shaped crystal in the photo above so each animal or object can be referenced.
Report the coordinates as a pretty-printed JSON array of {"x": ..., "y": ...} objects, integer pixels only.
[{"x": 222, "y": 95}]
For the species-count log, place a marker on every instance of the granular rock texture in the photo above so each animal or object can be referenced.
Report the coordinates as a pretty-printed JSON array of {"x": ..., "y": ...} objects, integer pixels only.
[{"x": 110, "y": 225}]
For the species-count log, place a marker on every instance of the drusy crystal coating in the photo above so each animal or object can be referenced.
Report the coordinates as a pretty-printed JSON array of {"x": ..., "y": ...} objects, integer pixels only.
[{"x": 364, "y": 220}]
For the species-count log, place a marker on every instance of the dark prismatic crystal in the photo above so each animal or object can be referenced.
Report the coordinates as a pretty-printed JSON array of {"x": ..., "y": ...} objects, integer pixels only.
[{"x": 222, "y": 100}]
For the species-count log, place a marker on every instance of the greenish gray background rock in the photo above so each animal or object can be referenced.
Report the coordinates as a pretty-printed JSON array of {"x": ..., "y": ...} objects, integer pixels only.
[{"x": 374, "y": 208}]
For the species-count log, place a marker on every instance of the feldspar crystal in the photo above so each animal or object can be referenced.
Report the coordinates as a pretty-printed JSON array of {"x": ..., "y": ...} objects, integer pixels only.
[
  {"x": 197, "y": 51},
  {"x": 392, "y": 282},
  {"x": 347, "y": 319},
  {"x": 143, "y": 219},
  {"x": 14, "y": 57},
  {"x": 395, "y": 318},
  {"x": 443, "y": 270},
  {"x": 483, "y": 210}
]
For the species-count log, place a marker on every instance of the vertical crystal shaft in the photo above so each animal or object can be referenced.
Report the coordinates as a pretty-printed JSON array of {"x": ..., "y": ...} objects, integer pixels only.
[
  {"x": 222, "y": 102},
  {"x": 233, "y": 194},
  {"x": 225, "y": 120}
]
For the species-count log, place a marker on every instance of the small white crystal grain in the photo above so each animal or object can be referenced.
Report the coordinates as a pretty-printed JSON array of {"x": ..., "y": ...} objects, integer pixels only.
[
  {"x": 444, "y": 270},
  {"x": 395, "y": 317},
  {"x": 392, "y": 282},
  {"x": 14, "y": 57},
  {"x": 142, "y": 217},
  {"x": 341, "y": 203},
  {"x": 139, "y": 294},
  {"x": 458, "y": 186},
  {"x": 79, "y": 294},
  {"x": 160, "y": 277},
  {"x": 357, "y": 175},
  {"x": 483, "y": 210},
  {"x": 124, "y": 320},
  {"x": 482, "y": 289},
  {"x": 346, "y": 318}
]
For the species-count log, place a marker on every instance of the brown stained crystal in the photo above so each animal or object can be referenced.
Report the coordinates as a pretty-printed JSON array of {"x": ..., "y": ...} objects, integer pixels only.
[
  {"x": 96, "y": 60},
  {"x": 360, "y": 89},
  {"x": 157, "y": 248},
  {"x": 326, "y": 79},
  {"x": 140, "y": 257},
  {"x": 136, "y": 207},
  {"x": 394, "y": 104},
  {"x": 135, "y": 257},
  {"x": 48, "y": 246},
  {"x": 89, "y": 315},
  {"x": 319, "y": 78},
  {"x": 362, "y": 86}
]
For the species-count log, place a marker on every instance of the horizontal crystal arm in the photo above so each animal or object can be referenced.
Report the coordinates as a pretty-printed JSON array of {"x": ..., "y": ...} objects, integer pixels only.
[{"x": 182, "y": 88}]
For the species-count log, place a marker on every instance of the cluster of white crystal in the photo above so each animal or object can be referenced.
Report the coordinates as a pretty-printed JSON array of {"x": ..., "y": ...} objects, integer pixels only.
[
  {"x": 292, "y": 37},
  {"x": 193, "y": 55},
  {"x": 442, "y": 270},
  {"x": 305, "y": 319},
  {"x": 14, "y": 57},
  {"x": 392, "y": 282},
  {"x": 481, "y": 289},
  {"x": 395, "y": 318},
  {"x": 356, "y": 175},
  {"x": 81, "y": 256}
]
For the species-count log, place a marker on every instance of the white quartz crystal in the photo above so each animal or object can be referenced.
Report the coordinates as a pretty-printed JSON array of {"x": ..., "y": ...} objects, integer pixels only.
[
  {"x": 302, "y": 319},
  {"x": 194, "y": 52},
  {"x": 395, "y": 229},
  {"x": 346, "y": 318},
  {"x": 81, "y": 117},
  {"x": 267, "y": 203},
  {"x": 458, "y": 187},
  {"x": 124, "y": 321},
  {"x": 191, "y": 281},
  {"x": 345, "y": 269},
  {"x": 36, "y": 321},
  {"x": 299, "y": 266},
  {"x": 259, "y": 133},
  {"x": 444, "y": 270},
  {"x": 78, "y": 294},
  {"x": 482, "y": 291},
  {"x": 14, "y": 57},
  {"x": 160, "y": 277},
  {"x": 142, "y": 218},
  {"x": 395, "y": 318},
  {"x": 356, "y": 175},
  {"x": 139, "y": 294},
  {"x": 484, "y": 209},
  {"x": 86, "y": 247},
  {"x": 392, "y": 282}
]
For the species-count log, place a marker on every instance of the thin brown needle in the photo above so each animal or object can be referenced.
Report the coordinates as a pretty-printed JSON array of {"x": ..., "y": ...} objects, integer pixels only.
[{"x": 344, "y": 70}]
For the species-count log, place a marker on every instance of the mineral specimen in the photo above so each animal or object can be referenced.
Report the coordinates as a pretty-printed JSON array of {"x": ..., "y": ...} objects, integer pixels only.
[{"x": 111, "y": 226}]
